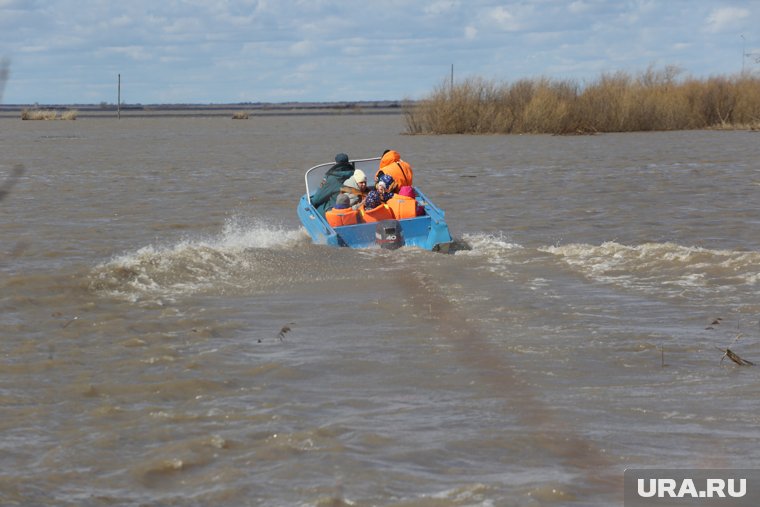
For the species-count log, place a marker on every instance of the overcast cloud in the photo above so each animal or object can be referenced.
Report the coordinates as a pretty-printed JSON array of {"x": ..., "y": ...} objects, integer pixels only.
[{"x": 171, "y": 51}]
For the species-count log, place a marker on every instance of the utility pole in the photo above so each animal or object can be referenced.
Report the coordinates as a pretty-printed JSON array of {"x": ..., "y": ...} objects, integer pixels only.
[
  {"x": 118, "y": 101},
  {"x": 4, "y": 72},
  {"x": 452, "y": 78},
  {"x": 744, "y": 54}
]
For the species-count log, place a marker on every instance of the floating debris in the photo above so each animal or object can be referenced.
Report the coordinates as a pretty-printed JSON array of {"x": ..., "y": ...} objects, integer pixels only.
[
  {"x": 285, "y": 329},
  {"x": 66, "y": 324},
  {"x": 733, "y": 356}
]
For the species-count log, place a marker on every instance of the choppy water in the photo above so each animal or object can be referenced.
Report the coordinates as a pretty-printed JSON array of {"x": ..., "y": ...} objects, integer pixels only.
[{"x": 148, "y": 266}]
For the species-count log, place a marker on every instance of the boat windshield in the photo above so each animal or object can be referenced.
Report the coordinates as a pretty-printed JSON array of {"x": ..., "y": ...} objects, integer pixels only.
[{"x": 314, "y": 175}]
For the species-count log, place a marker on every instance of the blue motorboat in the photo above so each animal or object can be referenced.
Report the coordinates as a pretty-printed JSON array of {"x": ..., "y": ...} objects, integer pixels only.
[{"x": 428, "y": 231}]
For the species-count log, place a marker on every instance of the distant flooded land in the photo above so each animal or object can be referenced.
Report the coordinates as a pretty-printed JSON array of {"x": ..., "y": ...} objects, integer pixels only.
[{"x": 224, "y": 110}]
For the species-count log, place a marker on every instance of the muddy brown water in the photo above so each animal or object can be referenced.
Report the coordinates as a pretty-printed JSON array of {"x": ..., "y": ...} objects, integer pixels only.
[{"x": 147, "y": 266}]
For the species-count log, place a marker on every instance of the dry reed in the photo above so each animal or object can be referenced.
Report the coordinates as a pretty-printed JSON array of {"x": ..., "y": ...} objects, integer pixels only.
[
  {"x": 240, "y": 115},
  {"x": 38, "y": 114},
  {"x": 48, "y": 114},
  {"x": 619, "y": 102}
]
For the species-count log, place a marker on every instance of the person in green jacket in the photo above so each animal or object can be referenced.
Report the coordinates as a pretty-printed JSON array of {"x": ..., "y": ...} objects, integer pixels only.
[{"x": 324, "y": 198}]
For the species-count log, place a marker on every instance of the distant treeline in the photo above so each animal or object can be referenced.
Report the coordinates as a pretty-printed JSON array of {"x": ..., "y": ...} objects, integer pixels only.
[{"x": 620, "y": 102}]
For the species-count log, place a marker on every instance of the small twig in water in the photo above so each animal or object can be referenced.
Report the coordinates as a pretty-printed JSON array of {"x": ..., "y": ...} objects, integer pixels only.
[
  {"x": 65, "y": 325},
  {"x": 735, "y": 358}
]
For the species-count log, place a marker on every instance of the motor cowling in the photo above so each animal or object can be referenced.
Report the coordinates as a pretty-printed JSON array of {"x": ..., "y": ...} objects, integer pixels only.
[{"x": 388, "y": 234}]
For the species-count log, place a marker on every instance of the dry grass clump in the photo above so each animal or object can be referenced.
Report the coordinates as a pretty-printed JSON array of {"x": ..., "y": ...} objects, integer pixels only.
[
  {"x": 48, "y": 114},
  {"x": 240, "y": 115},
  {"x": 38, "y": 114},
  {"x": 619, "y": 102}
]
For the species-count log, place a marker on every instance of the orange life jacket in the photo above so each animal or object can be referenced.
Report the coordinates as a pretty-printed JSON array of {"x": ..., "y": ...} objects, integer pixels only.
[
  {"x": 338, "y": 217},
  {"x": 402, "y": 206},
  {"x": 401, "y": 171},
  {"x": 382, "y": 212}
]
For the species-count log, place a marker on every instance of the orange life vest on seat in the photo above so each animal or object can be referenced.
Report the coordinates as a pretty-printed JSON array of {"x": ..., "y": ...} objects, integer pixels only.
[
  {"x": 382, "y": 212},
  {"x": 339, "y": 217},
  {"x": 402, "y": 206}
]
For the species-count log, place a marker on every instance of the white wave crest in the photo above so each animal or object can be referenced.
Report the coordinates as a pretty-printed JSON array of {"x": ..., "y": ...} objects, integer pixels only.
[
  {"x": 240, "y": 234},
  {"x": 494, "y": 253},
  {"x": 661, "y": 264},
  {"x": 195, "y": 264},
  {"x": 479, "y": 244}
]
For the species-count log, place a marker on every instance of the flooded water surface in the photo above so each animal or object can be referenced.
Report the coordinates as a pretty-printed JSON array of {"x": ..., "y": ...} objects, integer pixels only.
[{"x": 170, "y": 336}]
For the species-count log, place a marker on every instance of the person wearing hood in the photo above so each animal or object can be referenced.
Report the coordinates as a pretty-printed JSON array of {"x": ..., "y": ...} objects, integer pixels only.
[
  {"x": 384, "y": 183},
  {"x": 324, "y": 198},
  {"x": 356, "y": 188},
  {"x": 392, "y": 165}
]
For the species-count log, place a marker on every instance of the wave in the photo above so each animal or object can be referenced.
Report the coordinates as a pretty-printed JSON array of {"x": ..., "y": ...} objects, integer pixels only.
[
  {"x": 242, "y": 256},
  {"x": 485, "y": 244},
  {"x": 668, "y": 266}
]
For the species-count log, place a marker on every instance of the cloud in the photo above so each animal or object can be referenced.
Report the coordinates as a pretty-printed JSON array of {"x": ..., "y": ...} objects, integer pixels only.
[
  {"x": 34, "y": 49},
  {"x": 726, "y": 18},
  {"x": 440, "y": 7},
  {"x": 137, "y": 53},
  {"x": 579, "y": 6},
  {"x": 184, "y": 27},
  {"x": 503, "y": 18},
  {"x": 17, "y": 4},
  {"x": 301, "y": 48}
]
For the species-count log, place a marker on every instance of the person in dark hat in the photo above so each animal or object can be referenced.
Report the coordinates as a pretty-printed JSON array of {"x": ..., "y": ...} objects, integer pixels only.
[
  {"x": 324, "y": 198},
  {"x": 342, "y": 202}
]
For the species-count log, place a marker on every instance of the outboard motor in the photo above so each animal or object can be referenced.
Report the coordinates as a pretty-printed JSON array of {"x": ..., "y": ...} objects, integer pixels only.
[{"x": 388, "y": 234}]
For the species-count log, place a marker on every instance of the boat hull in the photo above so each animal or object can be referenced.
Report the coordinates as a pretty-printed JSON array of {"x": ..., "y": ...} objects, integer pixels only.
[{"x": 429, "y": 231}]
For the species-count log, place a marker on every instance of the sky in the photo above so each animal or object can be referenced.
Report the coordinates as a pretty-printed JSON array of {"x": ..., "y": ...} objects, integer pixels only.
[{"x": 230, "y": 51}]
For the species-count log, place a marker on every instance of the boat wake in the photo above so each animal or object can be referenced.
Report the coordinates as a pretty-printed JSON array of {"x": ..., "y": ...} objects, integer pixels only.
[
  {"x": 667, "y": 267},
  {"x": 244, "y": 256},
  {"x": 484, "y": 244}
]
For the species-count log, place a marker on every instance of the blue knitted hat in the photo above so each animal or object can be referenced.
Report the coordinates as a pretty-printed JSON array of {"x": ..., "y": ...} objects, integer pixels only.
[
  {"x": 387, "y": 179},
  {"x": 373, "y": 200}
]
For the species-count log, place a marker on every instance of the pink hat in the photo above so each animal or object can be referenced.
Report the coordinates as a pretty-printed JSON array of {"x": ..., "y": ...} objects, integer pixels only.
[{"x": 407, "y": 191}]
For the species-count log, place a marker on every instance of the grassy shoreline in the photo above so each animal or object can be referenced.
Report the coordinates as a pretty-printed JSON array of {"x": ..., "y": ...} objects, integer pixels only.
[{"x": 654, "y": 100}]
